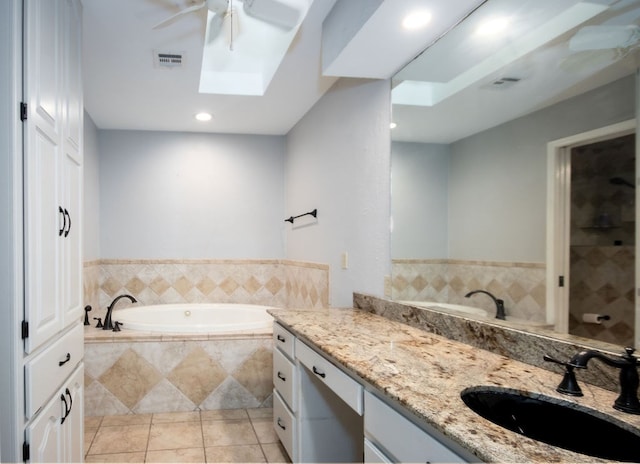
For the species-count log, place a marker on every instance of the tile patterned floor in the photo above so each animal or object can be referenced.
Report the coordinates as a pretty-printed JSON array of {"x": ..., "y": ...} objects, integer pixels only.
[{"x": 232, "y": 435}]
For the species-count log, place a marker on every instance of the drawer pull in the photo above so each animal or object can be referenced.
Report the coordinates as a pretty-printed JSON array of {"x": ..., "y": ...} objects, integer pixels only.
[
  {"x": 67, "y": 359},
  {"x": 281, "y": 377},
  {"x": 281, "y": 338},
  {"x": 318, "y": 373},
  {"x": 279, "y": 422}
]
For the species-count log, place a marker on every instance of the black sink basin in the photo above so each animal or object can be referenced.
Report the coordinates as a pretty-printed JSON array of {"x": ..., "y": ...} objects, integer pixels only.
[{"x": 556, "y": 422}]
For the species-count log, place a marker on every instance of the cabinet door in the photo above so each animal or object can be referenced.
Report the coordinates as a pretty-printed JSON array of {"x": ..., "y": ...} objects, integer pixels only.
[
  {"x": 45, "y": 434},
  {"x": 71, "y": 180},
  {"x": 74, "y": 422},
  {"x": 44, "y": 215},
  {"x": 70, "y": 242}
]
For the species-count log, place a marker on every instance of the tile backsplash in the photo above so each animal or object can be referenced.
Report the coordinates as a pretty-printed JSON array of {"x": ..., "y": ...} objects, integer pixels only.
[
  {"x": 280, "y": 283},
  {"x": 521, "y": 285}
]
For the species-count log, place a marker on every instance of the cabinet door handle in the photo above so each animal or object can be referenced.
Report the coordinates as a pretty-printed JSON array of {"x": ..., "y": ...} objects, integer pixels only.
[
  {"x": 66, "y": 360},
  {"x": 318, "y": 373},
  {"x": 68, "y": 216},
  {"x": 64, "y": 221},
  {"x": 279, "y": 422},
  {"x": 66, "y": 409},
  {"x": 68, "y": 393},
  {"x": 281, "y": 377},
  {"x": 281, "y": 338}
]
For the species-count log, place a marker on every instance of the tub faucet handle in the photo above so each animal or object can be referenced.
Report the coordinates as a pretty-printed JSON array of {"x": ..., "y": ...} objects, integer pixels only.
[
  {"x": 99, "y": 324},
  {"x": 116, "y": 326},
  {"x": 86, "y": 314}
]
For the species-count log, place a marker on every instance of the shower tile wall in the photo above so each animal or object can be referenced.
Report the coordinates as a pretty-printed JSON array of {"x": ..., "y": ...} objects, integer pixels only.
[
  {"x": 602, "y": 252},
  {"x": 280, "y": 283},
  {"x": 521, "y": 285}
]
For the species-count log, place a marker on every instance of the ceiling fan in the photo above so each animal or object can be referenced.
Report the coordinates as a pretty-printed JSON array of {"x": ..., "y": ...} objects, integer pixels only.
[{"x": 279, "y": 13}]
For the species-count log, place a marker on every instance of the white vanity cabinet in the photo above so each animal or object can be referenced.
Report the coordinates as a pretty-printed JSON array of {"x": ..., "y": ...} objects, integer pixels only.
[
  {"x": 391, "y": 436},
  {"x": 317, "y": 409},
  {"x": 285, "y": 384},
  {"x": 330, "y": 416}
]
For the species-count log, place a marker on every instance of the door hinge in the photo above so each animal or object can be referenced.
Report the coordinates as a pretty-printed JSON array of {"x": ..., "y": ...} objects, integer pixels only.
[
  {"x": 25, "y": 452},
  {"x": 23, "y": 111},
  {"x": 25, "y": 329},
  {"x": 560, "y": 281}
]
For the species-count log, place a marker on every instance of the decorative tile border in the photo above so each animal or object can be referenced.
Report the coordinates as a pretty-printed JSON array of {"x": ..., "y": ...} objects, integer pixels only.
[
  {"x": 522, "y": 286},
  {"x": 279, "y": 283}
]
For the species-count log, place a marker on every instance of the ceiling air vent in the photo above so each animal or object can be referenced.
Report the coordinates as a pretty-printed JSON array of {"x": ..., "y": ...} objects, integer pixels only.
[
  {"x": 168, "y": 59},
  {"x": 504, "y": 83}
]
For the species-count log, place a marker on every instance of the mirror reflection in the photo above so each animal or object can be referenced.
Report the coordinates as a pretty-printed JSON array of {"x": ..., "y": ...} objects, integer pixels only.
[{"x": 513, "y": 167}]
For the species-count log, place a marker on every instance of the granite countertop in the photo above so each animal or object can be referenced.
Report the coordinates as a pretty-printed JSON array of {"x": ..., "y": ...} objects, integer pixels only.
[{"x": 425, "y": 374}]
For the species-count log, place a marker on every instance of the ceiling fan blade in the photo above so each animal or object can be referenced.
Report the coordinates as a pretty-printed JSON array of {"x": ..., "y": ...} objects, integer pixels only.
[
  {"x": 274, "y": 12},
  {"x": 178, "y": 14}
]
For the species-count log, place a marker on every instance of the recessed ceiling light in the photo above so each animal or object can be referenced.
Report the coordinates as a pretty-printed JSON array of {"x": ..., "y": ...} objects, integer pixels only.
[
  {"x": 393, "y": 125},
  {"x": 203, "y": 117},
  {"x": 492, "y": 26},
  {"x": 416, "y": 20}
]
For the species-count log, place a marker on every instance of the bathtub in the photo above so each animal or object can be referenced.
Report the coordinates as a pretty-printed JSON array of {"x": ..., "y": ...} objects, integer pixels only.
[{"x": 212, "y": 318}]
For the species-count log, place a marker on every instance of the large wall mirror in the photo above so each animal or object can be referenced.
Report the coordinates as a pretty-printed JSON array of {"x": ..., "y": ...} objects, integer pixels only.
[{"x": 513, "y": 166}]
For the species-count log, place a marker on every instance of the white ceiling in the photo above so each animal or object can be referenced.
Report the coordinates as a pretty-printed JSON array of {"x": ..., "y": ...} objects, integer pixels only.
[
  {"x": 537, "y": 48},
  {"x": 124, "y": 90}
]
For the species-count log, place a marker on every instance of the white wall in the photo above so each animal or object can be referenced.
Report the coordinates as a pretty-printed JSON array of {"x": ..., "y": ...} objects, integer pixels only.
[
  {"x": 191, "y": 195},
  {"x": 419, "y": 199},
  {"x": 91, "y": 192},
  {"x": 497, "y": 187},
  {"x": 338, "y": 162}
]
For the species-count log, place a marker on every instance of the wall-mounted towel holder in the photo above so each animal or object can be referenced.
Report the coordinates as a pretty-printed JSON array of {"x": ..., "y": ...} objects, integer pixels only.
[{"x": 313, "y": 213}]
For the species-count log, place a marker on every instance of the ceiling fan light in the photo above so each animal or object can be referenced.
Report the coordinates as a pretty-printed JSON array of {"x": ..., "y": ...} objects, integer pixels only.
[{"x": 277, "y": 12}]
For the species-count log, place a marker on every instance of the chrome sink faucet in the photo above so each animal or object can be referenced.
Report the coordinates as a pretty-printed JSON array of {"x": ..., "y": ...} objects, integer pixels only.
[
  {"x": 108, "y": 324},
  {"x": 500, "y": 313},
  {"x": 628, "y": 365}
]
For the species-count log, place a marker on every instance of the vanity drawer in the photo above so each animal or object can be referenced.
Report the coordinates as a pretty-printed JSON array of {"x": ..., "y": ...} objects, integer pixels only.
[
  {"x": 340, "y": 383},
  {"x": 400, "y": 438},
  {"x": 284, "y": 378},
  {"x": 284, "y": 423},
  {"x": 372, "y": 454},
  {"x": 49, "y": 369},
  {"x": 283, "y": 340}
]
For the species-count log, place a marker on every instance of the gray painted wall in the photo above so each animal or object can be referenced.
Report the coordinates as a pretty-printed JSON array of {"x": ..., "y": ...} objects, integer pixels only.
[
  {"x": 168, "y": 195},
  {"x": 338, "y": 162},
  {"x": 91, "y": 192},
  {"x": 497, "y": 182},
  {"x": 419, "y": 198}
]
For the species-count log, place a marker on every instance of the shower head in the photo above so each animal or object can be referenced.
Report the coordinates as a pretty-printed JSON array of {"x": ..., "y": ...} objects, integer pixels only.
[{"x": 621, "y": 181}]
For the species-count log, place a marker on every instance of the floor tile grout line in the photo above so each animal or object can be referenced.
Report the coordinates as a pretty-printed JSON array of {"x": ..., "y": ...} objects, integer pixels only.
[{"x": 257, "y": 437}]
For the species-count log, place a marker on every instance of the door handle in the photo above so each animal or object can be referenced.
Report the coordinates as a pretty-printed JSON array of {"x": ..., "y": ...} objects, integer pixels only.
[
  {"x": 68, "y": 216},
  {"x": 64, "y": 221}
]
